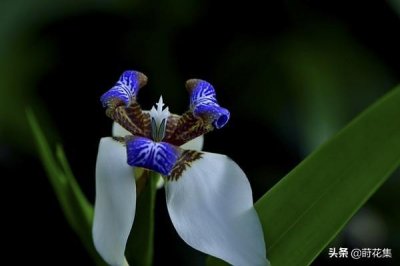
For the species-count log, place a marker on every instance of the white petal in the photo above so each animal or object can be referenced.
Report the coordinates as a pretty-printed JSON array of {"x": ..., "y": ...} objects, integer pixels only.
[
  {"x": 115, "y": 203},
  {"x": 211, "y": 207},
  {"x": 119, "y": 131},
  {"x": 194, "y": 144}
]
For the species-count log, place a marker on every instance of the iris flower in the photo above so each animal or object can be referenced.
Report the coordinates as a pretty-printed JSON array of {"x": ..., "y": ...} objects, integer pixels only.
[{"x": 209, "y": 198}]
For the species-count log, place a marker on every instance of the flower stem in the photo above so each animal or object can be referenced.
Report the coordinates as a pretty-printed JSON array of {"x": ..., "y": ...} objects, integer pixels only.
[{"x": 139, "y": 250}]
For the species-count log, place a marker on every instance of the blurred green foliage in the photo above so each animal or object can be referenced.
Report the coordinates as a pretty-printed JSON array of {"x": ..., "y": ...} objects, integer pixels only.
[
  {"x": 77, "y": 209},
  {"x": 291, "y": 73},
  {"x": 396, "y": 5}
]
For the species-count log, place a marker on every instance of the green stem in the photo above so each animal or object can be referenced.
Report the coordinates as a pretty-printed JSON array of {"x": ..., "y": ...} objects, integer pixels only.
[{"x": 139, "y": 250}]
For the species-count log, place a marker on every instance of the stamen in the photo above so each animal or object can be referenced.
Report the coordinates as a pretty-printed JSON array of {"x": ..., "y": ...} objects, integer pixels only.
[{"x": 159, "y": 119}]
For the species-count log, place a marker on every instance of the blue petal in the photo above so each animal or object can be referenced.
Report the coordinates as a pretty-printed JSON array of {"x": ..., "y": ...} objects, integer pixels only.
[
  {"x": 126, "y": 87},
  {"x": 204, "y": 103},
  {"x": 160, "y": 157},
  {"x": 202, "y": 90},
  {"x": 218, "y": 114}
]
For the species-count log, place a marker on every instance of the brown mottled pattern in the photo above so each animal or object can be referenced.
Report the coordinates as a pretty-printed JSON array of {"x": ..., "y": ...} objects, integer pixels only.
[
  {"x": 187, "y": 128},
  {"x": 119, "y": 115},
  {"x": 142, "y": 79},
  {"x": 191, "y": 84},
  {"x": 114, "y": 103},
  {"x": 185, "y": 161},
  {"x": 170, "y": 128},
  {"x": 139, "y": 118},
  {"x": 132, "y": 118}
]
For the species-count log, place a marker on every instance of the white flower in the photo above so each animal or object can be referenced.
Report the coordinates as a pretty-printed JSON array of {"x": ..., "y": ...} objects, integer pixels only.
[{"x": 208, "y": 196}]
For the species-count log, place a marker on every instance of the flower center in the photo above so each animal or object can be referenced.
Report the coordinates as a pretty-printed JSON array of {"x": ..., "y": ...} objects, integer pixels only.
[{"x": 159, "y": 117}]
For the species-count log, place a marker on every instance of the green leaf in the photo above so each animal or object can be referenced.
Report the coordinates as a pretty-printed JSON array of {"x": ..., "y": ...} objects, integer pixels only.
[
  {"x": 77, "y": 210},
  {"x": 309, "y": 207}
]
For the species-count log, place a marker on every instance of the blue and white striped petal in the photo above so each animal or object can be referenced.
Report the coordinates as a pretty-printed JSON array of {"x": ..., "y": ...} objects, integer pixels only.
[
  {"x": 199, "y": 90},
  {"x": 218, "y": 115},
  {"x": 160, "y": 157},
  {"x": 211, "y": 208},
  {"x": 125, "y": 89},
  {"x": 203, "y": 103}
]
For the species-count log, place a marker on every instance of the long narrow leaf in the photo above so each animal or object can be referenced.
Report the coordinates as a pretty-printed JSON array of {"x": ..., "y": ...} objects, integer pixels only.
[{"x": 77, "y": 209}]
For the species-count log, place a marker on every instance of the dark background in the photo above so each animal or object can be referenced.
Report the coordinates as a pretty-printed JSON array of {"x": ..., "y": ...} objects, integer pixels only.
[{"x": 292, "y": 73}]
